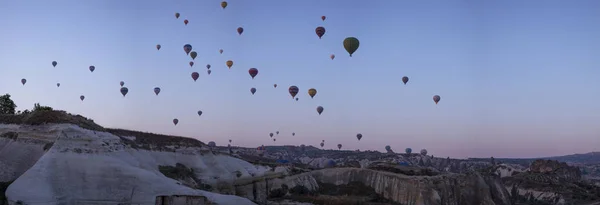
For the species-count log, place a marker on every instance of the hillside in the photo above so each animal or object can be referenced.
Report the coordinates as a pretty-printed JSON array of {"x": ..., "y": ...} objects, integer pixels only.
[{"x": 57, "y": 158}]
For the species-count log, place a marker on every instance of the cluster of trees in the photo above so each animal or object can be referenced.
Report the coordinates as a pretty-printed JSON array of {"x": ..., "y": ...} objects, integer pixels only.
[{"x": 8, "y": 106}]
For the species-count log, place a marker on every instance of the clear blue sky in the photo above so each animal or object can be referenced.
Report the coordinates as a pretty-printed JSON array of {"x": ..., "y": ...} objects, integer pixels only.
[{"x": 517, "y": 78}]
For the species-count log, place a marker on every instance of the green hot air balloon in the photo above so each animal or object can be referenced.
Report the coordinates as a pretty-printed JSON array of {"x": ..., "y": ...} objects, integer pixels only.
[{"x": 351, "y": 45}]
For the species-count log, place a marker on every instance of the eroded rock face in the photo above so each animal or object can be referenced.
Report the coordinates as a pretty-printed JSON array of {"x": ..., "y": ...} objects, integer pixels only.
[
  {"x": 560, "y": 169},
  {"x": 453, "y": 189}
]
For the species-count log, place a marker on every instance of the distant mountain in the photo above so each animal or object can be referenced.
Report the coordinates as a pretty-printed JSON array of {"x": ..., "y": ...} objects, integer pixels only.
[{"x": 587, "y": 158}]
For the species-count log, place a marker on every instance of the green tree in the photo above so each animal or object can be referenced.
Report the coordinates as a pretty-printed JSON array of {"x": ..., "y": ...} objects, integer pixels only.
[{"x": 7, "y": 106}]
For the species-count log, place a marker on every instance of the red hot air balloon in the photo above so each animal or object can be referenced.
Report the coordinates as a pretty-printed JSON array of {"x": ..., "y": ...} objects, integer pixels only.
[
  {"x": 323, "y": 18},
  {"x": 186, "y": 22},
  {"x": 320, "y": 31},
  {"x": 195, "y": 75},
  {"x": 253, "y": 72},
  {"x": 293, "y": 90}
]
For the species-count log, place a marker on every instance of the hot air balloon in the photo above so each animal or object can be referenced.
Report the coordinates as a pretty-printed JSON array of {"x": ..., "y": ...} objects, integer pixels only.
[
  {"x": 81, "y": 97},
  {"x": 158, "y": 46},
  {"x": 436, "y": 99},
  {"x": 275, "y": 85},
  {"x": 229, "y": 63},
  {"x": 57, "y": 84},
  {"x": 271, "y": 134},
  {"x": 92, "y": 68},
  {"x": 358, "y": 136},
  {"x": 332, "y": 56},
  {"x": 276, "y": 132},
  {"x": 229, "y": 140},
  {"x": 23, "y": 81},
  {"x": 186, "y": 22},
  {"x": 54, "y": 63},
  {"x": 297, "y": 99},
  {"x": 212, "y": 144},
  {"x": 293, "y": 134},
  {"x": 195, "y": 75},
  {"x": 423, "y": 152},
  {"x": 351, "y": 45},
  {"x": 175, "y": 121},
  {"x": 388, "y": 148},
  {"x": 187, "y": 48},
  {"x": 312, "y": 92},
  {"x": 200, "y": 114},
  {"x": 293, "y": 90},
  {"x": 408, "y": 150},
  {"x": 223, "y": 4},
  {"x": 323, "y": 18},
  {"x": 320, "y": 110},
  {"x": 177, "y": 15},
  {"x": 191, "y": 63},
  {"x": 221, "y": 51},
  {"x": 124, "y": 91},
  {"x": 405, "y": 80},
  {"x": 193, "y": 54},
  {"x": 253, "y": 72},
  {"x": 209, "y": 71},
  {"x": 252, "y": 90},
  {"x": 274, "y": 139},
  {"x": 122, "y": 83},
  {"x": 339, "y": 146},
  {"x": 207, "y": 66},
  {"x": 156, "y": 90},
  {"x": 322, "y": 144},
  {"x": 320, "y": 31},
  {"x": 240, "y": 30}
]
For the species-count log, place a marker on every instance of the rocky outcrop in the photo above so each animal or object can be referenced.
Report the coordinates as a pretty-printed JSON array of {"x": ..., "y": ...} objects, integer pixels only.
[
  {"x": 453, "y": 189},
  {"x": 551, "y": 182},
  {"x": 559, "y": 169},
  {"x": 66, "y": 164}
]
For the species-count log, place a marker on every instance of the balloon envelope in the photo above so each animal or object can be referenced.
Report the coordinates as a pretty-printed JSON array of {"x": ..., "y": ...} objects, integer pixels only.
[
  {"x": 320, "y": 31},
  {"x": 253, "y": 72},
  {"x": 240, "y": 30},
  {"x": 405, "y": 80},
  {"x": 351, "y": 45},
  {"x": 54, "y": 63},
  {"x": 436, "y": 99},
  {"x": 293, "y": 90},
  {"x": 312, "y": 92},
  {"x": 175, "y": 121},
  {"x": 229, "y": 63},
  {"x": 187, "y": 48},
  {"x": 124, "y": 91},
  {"x": 320, "y": 110},
  {"x": 156, "y": 90},
  {"x": 195, "y": 75},
  {"x": 252, "y": 90}
]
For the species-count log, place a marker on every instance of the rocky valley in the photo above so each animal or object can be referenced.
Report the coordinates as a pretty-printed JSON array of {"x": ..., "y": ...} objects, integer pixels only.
[{"x": 52, "y": 157}]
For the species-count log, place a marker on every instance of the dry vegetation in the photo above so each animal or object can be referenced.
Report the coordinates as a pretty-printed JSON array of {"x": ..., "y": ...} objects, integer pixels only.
[{"x": 143, "y": 140}]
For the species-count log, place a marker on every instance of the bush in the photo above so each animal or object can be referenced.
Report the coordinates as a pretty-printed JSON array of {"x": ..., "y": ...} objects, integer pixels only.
[{"x": 38, "y": 107}]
